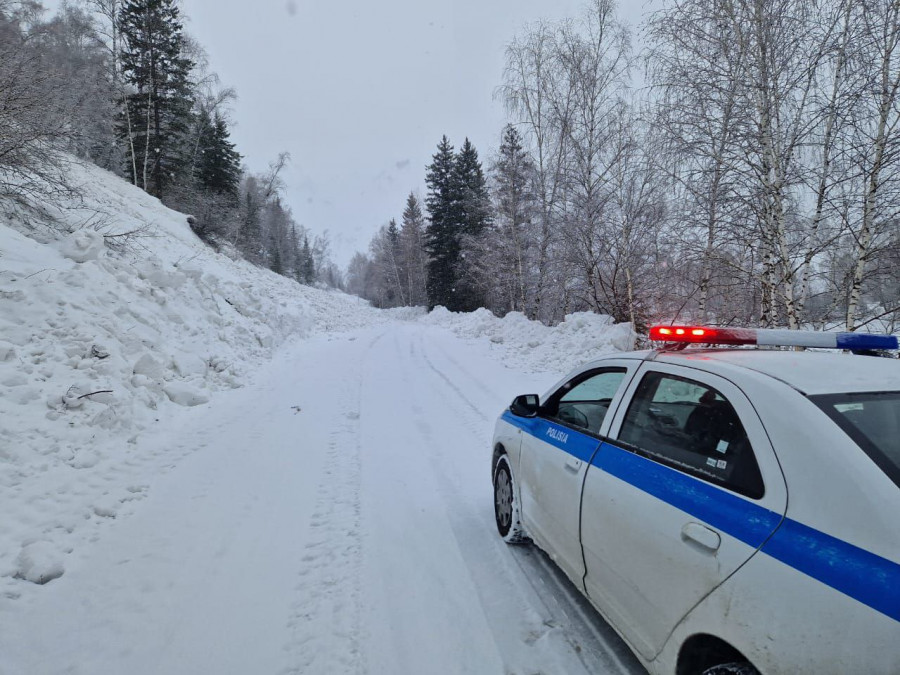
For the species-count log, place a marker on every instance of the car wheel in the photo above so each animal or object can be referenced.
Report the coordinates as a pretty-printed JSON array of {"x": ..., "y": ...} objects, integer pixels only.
[
  {"x": 743, "y": 668},
  {"x": 506, "y": 505}
]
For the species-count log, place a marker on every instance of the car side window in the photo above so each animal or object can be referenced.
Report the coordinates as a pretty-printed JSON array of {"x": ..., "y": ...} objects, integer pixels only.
[
  {"x": 583, "y": 402},
  {"x": 692, "y": 427}
]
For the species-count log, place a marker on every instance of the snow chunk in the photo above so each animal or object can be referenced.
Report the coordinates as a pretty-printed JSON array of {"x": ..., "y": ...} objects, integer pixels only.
[
  {"x": 82, "y": 245},
  {"x": 73, "y": 397},
  {"x": 188, "y": 364},
  {"x": 107, "y": 508},
  {"x": 7, "y": 351},
  {"x": 184, "y": 394},
  {"x": 39, "y": 562},
  {"x": 14, "y": 380},
  {"x": 149, "y": 367},
  {"x": 153, "y": 272}
]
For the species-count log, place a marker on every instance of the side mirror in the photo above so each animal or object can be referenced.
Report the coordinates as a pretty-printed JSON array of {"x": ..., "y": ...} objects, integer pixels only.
[{"x": 526, "y": 405}]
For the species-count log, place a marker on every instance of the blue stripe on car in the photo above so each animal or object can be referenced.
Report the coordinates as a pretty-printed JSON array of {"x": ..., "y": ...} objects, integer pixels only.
[
  {"x": 856, "y": 572},
  {"x": 576, "y": 444}
]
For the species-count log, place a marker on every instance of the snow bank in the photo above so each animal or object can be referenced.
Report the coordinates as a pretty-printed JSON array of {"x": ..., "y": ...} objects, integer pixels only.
[
  {"x": 100, "y": 344},
  {"x": 532, "y": 346}
]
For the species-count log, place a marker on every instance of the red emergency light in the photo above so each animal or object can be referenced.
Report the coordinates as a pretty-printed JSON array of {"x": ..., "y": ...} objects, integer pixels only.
[
  {"x": 773, "y": 337},
  {"x": 703, "y": 335}
]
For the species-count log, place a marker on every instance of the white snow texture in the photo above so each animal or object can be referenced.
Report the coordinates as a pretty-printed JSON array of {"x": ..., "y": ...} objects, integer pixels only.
[{"x": 206, "y": 467}]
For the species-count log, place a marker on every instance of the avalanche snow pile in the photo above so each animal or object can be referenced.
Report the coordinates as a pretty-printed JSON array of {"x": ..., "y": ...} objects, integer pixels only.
[
  {"x": 116, "y": 320},
  {"x": 532, "y": 346},
  {"x": 103, "y": 337}
]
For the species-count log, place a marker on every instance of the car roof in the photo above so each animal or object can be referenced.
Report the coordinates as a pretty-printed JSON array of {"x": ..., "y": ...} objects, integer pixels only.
[{"x": 811, "y": 372}]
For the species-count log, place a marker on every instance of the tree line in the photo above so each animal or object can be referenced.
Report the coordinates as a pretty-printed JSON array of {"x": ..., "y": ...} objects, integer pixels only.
[
  {"x": 119, "y": 83},
  {"x": 742, "y": 168}
]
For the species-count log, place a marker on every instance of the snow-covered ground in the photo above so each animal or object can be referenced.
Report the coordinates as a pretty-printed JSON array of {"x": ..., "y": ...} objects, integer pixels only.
[{"x": 275, "y": 479}]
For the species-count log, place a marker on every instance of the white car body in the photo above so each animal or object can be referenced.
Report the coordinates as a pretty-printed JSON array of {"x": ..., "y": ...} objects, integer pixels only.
[{"x": 802, "y": 578}]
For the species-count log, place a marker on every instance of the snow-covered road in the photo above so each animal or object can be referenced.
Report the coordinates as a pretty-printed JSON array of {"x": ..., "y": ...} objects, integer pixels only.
[{"x": 335, "y": 516}]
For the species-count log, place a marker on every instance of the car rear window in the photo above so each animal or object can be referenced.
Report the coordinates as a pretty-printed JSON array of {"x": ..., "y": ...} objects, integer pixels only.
[
  {"x": 692, "y": 427},
  {"x": 872, "y": 420}
]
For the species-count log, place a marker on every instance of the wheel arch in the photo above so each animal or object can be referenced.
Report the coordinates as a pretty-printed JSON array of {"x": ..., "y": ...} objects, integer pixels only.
[
  {"x": 702, "y": 650},
  {"x": 499, "y": 451}
]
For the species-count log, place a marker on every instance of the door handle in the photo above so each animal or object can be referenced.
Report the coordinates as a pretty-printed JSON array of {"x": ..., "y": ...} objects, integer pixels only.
[
  {"x": 573, "y": 464},
  {"x": 701, "y": 535}
]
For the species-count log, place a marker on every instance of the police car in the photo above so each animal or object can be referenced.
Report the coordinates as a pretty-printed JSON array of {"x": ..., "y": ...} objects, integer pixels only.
[{"x": 727, "y": 510}]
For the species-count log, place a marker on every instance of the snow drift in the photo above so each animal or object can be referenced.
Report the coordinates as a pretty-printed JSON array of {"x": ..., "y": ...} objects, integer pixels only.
[
  {"x": 99, "y": 345},
  {"x": 532, "y": 346},
  {"x": 116, "y": 322}
]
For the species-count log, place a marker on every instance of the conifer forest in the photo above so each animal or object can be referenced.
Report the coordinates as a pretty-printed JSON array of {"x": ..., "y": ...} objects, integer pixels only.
[{"x": 732, "y": 162}]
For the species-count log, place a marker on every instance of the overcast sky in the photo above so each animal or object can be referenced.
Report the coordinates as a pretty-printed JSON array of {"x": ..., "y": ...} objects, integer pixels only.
[{"x": 360, "y": 93}]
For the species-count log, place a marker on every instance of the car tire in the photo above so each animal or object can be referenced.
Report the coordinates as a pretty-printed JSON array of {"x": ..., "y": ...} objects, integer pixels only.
[
  {"x": 506, "y": 504},
  {"x": 742, "y": 668}
]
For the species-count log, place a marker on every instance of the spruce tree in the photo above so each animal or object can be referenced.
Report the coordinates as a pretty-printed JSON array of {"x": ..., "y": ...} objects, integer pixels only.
[
  {"x": 307, "y": 263},
  {"x": 218, "y": 166},
  {"x": 294, "y": 246},
  {"x": 471, "y": 214},
  {"x": 513, "y": 172},
  {"x": 473, "y": 207},
  {"x": 442, "y": 232},
  {"x": 413, "y": 244},
  {"x": 249, "y": 235},
  {"x": 396, "y": 260},
  {"x": 156, "y": 114}
]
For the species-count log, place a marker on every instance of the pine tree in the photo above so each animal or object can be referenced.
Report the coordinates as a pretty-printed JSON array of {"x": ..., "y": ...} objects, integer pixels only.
[
  {"x": 218, "y": 166},
  {"x": 442, "y": 232},
  {"x": 156, "y": 113}
]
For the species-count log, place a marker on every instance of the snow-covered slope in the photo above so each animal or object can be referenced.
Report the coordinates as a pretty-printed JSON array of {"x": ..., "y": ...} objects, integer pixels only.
[
  {"x": 105, "y": 345},
  {"x": 97, "y": 346},
  {"x": 215, "y": 481}
]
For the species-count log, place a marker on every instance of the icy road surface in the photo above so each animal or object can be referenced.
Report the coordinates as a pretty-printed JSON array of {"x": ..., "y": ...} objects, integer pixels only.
[{"x": 333, "y": 517}]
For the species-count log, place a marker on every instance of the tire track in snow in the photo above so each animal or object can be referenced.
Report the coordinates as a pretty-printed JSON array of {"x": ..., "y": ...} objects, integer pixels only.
[
  {"x": 460, "y": 368},
  {"x": 459, "y": 392},
  {"x": 325, "y": 624},
  {"x": 566, "y": 613}
]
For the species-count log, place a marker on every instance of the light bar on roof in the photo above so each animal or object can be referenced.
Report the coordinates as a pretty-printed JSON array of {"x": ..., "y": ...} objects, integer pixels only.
[{"x": 772, "y": 337}]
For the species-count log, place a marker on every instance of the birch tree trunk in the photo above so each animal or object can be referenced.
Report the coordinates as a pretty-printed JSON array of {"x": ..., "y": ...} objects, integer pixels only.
[{"x": 886, "y": 127}]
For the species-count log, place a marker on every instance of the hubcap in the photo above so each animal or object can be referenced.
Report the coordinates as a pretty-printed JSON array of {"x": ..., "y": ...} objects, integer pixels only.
[{"x": 503, "y": 498}]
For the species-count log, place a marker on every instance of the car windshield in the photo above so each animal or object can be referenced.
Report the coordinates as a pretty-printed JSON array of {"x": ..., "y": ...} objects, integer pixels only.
[{"x": 872, "y": 420}]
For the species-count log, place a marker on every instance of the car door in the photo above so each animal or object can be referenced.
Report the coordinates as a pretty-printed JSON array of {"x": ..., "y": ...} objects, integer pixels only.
[
  {"x": 556, "y": 450},
  {"x": 683, "y": 493}
]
